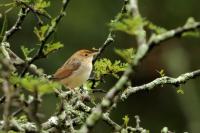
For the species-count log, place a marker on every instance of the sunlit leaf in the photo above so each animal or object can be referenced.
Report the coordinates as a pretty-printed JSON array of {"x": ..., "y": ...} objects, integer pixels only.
[
  {"x": 52, "y": 47},
  {"x": 106, "y": 67},
  {"x": 128, "y": 25},
  {"x": 40, "y": 33},
  {"x": 126, "y": 120},
  {"x": 26, "y": 52},
  {"x": 126, "y": 54}
]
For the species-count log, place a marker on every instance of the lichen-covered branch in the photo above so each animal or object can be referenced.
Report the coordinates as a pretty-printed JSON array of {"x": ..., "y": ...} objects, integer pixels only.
[
  {"x": 144, "y": 48},
  {"x": 114, "y": 91},
  {"x": 157, "y": 39},
  {"x": 20, "y": 127},
  {"x": 183, "y": 78}
]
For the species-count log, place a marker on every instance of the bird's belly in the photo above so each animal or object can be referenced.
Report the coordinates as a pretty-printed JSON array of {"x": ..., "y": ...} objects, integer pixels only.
[{"x": 78, "y": 77}]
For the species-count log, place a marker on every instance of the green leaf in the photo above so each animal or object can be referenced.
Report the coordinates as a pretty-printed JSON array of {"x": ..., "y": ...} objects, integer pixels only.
[
  {"x": 106, "y": 67},
  {"x": 155, "y": 28},
  {"x": 52, "y": 47},
  {"x": 32, "y": 83},
  {"x": 26, "y": 52},
  {"x": 41, "y": 5},
  {"x": 161, "y": 72},
  {"x": 194, "y": 33},
  {"x": 41, "y": 32},
  {"x": 180, "y": 90},
  {"x": 190, "y": 22},
  {"x": 128, "y": 25},
  {"x": 126, "y": 54},
  {"x": 126, "y": 120}
]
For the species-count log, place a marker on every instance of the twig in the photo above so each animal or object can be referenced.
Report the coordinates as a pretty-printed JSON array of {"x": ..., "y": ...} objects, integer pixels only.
[
  {"x": 39, "y": 54},
  {"x": 143, "y": 49},
  {"x": 17, "y": 26},
  {"x": 108, "y": 41},
  {"x": 33, "y": 10},
  {"x": 156, "y": 40},
  {"x": 109, "y": 97},
  {"x": 20, "y": 127},
  {"x": 161, "y": 81},
  {"x": 6, "y": 115},
  {"x": 110, "y": 122}
]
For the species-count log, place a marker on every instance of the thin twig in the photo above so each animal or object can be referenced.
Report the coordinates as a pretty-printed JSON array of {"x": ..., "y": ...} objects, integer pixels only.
[
  {"x": 39, "y": 54},
  {"x": 17, "y": 26},
  {"x": 108, "y": 41},
  {"x": 161, "y": 81}
]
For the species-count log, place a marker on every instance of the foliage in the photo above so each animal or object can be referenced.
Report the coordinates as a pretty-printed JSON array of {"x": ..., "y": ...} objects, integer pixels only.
[
  {"x": 161, "y": 72},
  {"x": 126, "y": 120},
  {"x": 155, "y": 28},
  {"x": 33, "y": 83},
  {"x": 49, "y": 48},
  {"x": 26, "y": 52},
  {"x": 180, "y": 90},
  {"x": 126, "y": 54},
  {"x": 106, "y": 67},
  {"x": 128, "y": 24},
  {"x": 76, "y": 106},
  {"x": 40, "y": 32},
  {"x": 195, "y": 33}
]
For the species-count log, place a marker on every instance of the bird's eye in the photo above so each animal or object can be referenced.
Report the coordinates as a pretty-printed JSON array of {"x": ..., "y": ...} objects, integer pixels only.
[{"x": 86, "y": 54}]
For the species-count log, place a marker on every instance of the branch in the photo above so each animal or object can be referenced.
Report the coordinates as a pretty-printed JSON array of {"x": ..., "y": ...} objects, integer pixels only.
[
  {"x": 50, "y": 31},
  {"x": 110, "y": 122},
  {"x": 20, "y": 127},
  {"x": 143, "y": 49},
  {"x": 162, "y": 81},
  {"x": 36, "y": 12},
  {"x": 156, "y": 40},
  {"x": 17, "y": 26},
  {"x": 108, "y": 41},
  {"x": 114, "y": 91}
]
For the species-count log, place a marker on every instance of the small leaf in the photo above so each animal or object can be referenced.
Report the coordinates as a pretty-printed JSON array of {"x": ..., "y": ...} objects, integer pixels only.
[
  {"x": 41, "y": 5},
  {"x": 128, "y": 25},
  {"x": 155, "y": 28},
  {"x": 26, "y": 52},
  {"x": 126, "y": 54},
  {"x": 32, "y": 83},
  {"x": 194, "y": 33},
  {"x": 161, "y": 72},
  {"x": 40, "y": 33},
  {"x": 180, "y": 91},
  {"x": 106, "y": 67},
  {"x": 52, "y": 47},
  {"x": 126, "y": 120},
  {"x": 190, "y": 21}
]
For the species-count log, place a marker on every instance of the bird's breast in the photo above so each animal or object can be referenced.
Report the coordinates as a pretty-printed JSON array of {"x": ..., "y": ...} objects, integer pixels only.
[{"x": 78, "y": 77}]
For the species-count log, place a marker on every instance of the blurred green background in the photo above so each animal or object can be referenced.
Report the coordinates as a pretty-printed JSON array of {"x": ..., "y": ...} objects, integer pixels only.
[{"x": 86, "y": 26}]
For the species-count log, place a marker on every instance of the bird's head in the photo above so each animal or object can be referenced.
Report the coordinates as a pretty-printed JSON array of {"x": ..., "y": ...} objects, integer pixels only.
[{"x": 85, "y": 55}]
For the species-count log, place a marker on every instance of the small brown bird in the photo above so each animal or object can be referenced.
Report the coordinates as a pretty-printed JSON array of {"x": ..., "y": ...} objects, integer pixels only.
[{"x": 76, "y": 70}]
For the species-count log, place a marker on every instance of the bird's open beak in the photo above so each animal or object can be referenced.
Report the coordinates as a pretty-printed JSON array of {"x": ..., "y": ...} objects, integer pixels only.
[{"x": 95, "y": 52}]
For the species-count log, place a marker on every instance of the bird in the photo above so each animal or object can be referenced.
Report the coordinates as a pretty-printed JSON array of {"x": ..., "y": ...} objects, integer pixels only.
[{"x": 76, "y": 70}]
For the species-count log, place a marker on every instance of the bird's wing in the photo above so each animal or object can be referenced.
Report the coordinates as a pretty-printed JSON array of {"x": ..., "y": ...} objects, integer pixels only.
[{"x": 67, "y": 69}]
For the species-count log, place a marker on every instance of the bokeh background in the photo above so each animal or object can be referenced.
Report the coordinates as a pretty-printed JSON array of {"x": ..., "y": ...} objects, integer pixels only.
[{"x": 86, "y": 26}]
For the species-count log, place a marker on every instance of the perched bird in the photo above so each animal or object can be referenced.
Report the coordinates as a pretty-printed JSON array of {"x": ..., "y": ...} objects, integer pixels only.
[{"x": 76, "y": 70}]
